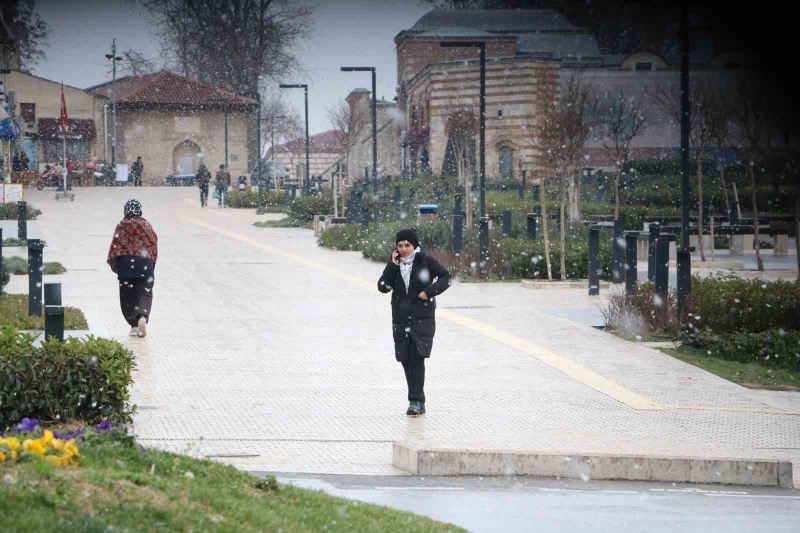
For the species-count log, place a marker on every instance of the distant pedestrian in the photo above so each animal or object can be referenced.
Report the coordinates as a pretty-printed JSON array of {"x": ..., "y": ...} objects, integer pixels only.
[
  {"x": 415, "y": 279},
  {"x": 202, "y": 178},
  {"x": 137, "y": 169},
  {"x": 222, "y": 181},
  {"x": 132, "y": 256},
  {"x": 24, "y": 162},
  {"x": 15, "y": 161}
]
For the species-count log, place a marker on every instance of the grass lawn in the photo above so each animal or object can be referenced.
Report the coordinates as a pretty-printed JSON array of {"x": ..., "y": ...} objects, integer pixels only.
[
  {"x": 121, "y": 487},
  {"x": 14, "y": 313},
  {"x": 747, "y": 374}
]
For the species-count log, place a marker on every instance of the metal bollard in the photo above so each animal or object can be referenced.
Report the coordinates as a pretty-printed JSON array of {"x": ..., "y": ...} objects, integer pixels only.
[
  {"x": 397, "y": 195},
  {"x": 458, "y": 233},
  {"x": 294, "y": 192},
  {"x": 446, "y": 188},
  {"x": 535, "y": 197},
  {"x": 522, "y": 185},
  {"x": 652, "y": 239},
  {"x": 531, "y": 226},
  {"x": 684, "y": 280},
  {"x": 594, "y": 261},
  {"x": 22, "y": 220},
  {"x": 35, "y": 252},
  {"x": 52, "y": 294},
  {"x": 286, "y": 196},
  {"x": 363, "y": 213},
  {"x": 662, "y": 265},
  {"x": 412, "y": 194},
  {"x": 54, "y": 322},
  {"x": 618, "y": 252},
  {"x": 506, "y": 223},
  {"x": 631, "y": 272},
  {"x": 484, "y": 243}
]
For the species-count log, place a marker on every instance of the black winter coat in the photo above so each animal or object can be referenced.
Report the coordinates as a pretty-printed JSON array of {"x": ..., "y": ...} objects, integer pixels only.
[{"x": 413, "y": 319}]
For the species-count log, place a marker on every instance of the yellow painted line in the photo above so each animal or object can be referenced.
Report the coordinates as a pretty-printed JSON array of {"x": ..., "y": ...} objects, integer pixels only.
[{"x": 548, "y": 357}]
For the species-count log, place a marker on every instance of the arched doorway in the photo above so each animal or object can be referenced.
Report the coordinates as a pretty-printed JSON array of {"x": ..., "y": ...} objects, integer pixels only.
[{"x": 186, "y": 158}]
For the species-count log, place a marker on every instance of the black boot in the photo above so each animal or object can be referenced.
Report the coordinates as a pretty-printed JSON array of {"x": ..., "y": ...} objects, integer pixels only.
[{"x": 415, "y": 409}]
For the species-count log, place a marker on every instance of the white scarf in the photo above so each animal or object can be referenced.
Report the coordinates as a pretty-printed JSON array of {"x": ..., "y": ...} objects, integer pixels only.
[{"x": 406, "y": 264}]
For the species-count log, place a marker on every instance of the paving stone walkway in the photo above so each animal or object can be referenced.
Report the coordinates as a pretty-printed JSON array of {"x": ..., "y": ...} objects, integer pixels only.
[{"x": 271, "y": 353}]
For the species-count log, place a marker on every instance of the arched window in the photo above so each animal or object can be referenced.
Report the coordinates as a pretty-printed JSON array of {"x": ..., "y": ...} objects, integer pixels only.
[
  {"x": 186, "y": 158},
  {"x": 506, "y": 154}
]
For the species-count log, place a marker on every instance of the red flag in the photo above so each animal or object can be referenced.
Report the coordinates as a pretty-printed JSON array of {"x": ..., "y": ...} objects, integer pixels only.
[{"x": 64, "y": 118}]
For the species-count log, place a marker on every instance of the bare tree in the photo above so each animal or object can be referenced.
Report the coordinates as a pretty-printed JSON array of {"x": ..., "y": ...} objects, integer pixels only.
[
  {"x": 27, "y": 29},
  {"x": 231, "y": 43},
  {"x": 461, "y": 126},
  {"x": 135, "y": 63},
  {"x": 350, "y": 123},
  {"x": 623, "y": 118},
  {"x": 578, "y": 113}
]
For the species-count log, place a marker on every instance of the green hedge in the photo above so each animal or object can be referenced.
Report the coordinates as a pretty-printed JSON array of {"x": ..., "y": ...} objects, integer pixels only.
[
  {"x": 63, "y": 380},
  {"x": 305, "y": 207},
  {"x": 526, "y": 258},
  {"x": 775, "y": 348},
  {"x": 9, "y": 212},
  {"x": 730, "y": 304},
  {"x": 348, "y": 237},
  {"x": 249, "y": 199}
]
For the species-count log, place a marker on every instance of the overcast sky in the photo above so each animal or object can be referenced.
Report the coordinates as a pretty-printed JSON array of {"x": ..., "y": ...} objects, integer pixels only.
[{"x": 345, "y": 32}]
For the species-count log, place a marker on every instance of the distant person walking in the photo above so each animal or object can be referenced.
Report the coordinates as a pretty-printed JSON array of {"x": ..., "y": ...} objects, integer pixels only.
[
  {"x": 137, "y": 169},
  {"x": 132, "y": 256},
  {"x": 222, "y": 181},
  {"x": 202, "y": 178},
  {"x": 414, "y": 279},
  {"x": 24, "y": 162}
]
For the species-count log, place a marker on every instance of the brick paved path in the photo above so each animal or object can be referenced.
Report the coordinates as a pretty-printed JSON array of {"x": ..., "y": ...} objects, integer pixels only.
[{"x": 272, "y": 353}]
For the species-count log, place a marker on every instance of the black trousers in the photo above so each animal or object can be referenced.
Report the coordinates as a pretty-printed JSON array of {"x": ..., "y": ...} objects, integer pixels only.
[
  {"x": 136, "y": 299},
  {"x": 203, "y": 196},
  {"x": 414, "y": 368}
]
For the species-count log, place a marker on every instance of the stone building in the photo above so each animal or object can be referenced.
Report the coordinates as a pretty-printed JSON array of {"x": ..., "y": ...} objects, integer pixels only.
[
  {"x": 325, "y": 156},
  {"x": 525, "y": 48},
  {"x": 35, "y": 103},
  {"x": 390, "y": 123},
  {"x": 174, "y": 122}
]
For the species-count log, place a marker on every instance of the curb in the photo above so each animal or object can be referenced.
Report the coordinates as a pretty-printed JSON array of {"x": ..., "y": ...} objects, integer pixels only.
[
  {"x": 560, "y": 284},
  {"x": 594, "y": 466}
]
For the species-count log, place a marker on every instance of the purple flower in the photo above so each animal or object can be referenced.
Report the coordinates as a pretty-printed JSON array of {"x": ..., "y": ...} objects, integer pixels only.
[
  {"x": 77, "y": 434},
  {"x": 103, "y": 426},
  {"x": 27, "y": 425}
]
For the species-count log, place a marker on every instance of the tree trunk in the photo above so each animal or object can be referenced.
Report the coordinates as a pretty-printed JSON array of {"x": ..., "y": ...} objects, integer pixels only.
[
  {"x": 562, "y": 233},
  {"x": 573, "y": 207},
  {"x": 736, "y": 199},
  {"x": 700, "y": 207},
  {"x": 724, "y": 189},
  {"x": 616, "y": 195},
  {"x": 545, "y": 233},
  {"x": 754, "y": 194}
]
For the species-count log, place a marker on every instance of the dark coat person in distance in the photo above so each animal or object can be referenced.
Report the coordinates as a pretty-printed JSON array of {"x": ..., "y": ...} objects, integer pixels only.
[
  {"x": 132, "y": 256},
  {"x": 414, "y": 279}
]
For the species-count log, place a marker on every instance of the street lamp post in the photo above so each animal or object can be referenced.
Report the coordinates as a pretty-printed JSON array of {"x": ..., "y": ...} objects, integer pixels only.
[
  {"x": 484, "y": 221},
  {"x": 303, "y": 86},
  {"x": 374, "y": 125},
  {"x": 684, "y": 255},
  {"x": 113, "y": 57}
]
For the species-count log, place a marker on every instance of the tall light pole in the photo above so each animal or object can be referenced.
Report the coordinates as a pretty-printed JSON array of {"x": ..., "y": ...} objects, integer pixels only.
[
  {"x": 303, "y": 86},
  {"x": 113, "y": 57},
  {"x": 374, "y": 124},
  {"x": 484, "y": 221},
  {"x": 684, "y": 255}
]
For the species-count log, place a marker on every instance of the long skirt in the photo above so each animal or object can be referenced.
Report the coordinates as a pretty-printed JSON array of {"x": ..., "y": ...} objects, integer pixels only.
[{"x": 136, "y": 299}]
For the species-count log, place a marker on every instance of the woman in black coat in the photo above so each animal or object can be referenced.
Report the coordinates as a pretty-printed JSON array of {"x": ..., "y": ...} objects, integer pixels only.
[{"x": 415, "y": 279}]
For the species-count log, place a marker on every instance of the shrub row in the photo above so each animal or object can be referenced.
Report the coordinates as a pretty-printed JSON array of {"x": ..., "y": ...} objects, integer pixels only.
[
  {"x": 527, "y": 260},
  {"x": 305, "y": 207},
  {"x": 63, "y": 380},
  {"x": 9, "y": 211},
  {"x": 775, "y": 348}
]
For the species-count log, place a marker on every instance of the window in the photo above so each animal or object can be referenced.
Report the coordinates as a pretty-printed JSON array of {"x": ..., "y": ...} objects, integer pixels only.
[
  {"x": 506, "y": 162},
  {"x": 28, "y": 112},
  {"x": 644, "y": 66}
]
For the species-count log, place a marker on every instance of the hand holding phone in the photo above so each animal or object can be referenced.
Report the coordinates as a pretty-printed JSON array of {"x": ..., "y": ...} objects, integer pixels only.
[{"x": 395, "y": 256}]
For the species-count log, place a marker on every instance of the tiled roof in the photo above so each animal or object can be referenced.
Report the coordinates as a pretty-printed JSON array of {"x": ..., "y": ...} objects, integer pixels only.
[
  {"x": 168, "y": 88},
  {"x": 494, "y": 20},
  {"x": 327, "y": 141}
]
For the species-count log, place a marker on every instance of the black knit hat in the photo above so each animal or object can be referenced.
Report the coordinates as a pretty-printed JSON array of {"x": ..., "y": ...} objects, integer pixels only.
[
  {"x": 409, "y": 235},
  {"x": 132, "y": 208}
]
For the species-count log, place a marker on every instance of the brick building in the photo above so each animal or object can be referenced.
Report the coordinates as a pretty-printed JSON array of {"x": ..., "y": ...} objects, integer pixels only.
[
  {"x": 325, "y": 155},
  {"x": 390, "y": 122}
]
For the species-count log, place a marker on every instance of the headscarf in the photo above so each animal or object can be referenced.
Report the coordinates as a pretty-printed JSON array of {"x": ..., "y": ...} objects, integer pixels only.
[{"x": 133, "y": 208}]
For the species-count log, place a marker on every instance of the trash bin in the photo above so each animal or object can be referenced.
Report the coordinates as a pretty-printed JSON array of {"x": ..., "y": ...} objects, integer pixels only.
[{"x": 428, "y": 212}]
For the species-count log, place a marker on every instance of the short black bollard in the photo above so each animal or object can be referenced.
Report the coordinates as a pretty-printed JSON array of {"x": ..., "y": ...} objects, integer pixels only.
[
  {"x": 52, "y": 294},
  {"x": 397, "y": 195},
  {"x": 457, "y": 208},
  {"x": 412, "y": 194},
  {"x": 22, "y": 220},
  {"x": 294, "y": 192},
  {"x": 618, "y": 252},
  {"x": 662, "y": 265},
  {"x": 35, "y": 252},
  {"x": 446, "y": 188},
  {"x": 594, "y": 261},
  {"x": 535, "y": 196},
  {"x": 631, "y": 271},
  {"x": 54, "y": 322},
  {"x": 484, "y": 244},
  {"x": 531, "y": 226},
  {"x": 286, "y": 197},
  {"x": 506, "y": 223},
  {"x": 522, "y": 185},
  {"x": 684, "y": 281},
  {"x": 458, "y": 233},
  {"x": 652, "y": 239}
]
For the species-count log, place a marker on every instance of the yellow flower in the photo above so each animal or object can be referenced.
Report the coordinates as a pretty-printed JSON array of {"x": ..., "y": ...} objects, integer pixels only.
[
  {"x": 2, "y": 457},
  {"x": 47, "y": 438},
  {"x": 12, "y": 443},
  {"x": 34, "y": 446}
]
